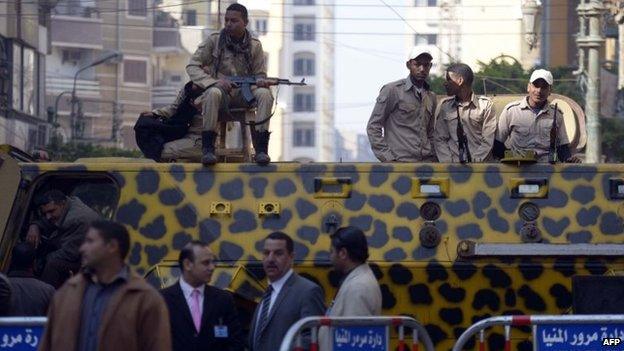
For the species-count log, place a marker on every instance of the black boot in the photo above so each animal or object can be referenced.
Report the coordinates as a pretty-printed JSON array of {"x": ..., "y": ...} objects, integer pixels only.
[
  {"x": 208, "y": 148},
  {"x": 261, "y": 145}
]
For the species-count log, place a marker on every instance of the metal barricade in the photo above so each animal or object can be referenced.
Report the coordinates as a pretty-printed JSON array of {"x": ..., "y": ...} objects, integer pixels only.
[
  {"x": 536, "y": 321},
  {"x": 21, "y": 333},
  {"x": 399, "y": 322}
]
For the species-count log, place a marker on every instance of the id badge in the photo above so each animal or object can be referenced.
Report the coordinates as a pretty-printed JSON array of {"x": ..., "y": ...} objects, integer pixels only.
[{"x": 221, "y": 331}]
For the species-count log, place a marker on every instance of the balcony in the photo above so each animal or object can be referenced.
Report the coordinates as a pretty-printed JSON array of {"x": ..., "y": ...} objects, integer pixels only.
[
  {"x": 76, "y": 26},
  {"x": 167, "y": 40},
  {"x": 84, "y": 88}
]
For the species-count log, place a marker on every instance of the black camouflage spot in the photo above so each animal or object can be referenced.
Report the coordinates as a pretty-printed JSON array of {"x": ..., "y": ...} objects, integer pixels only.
[
  {"x": 497, "y": 222},
  {"x": 187, "y": 216},
  {"x": 582, "y": 237},
  {"x": 308, "y": 233},
  {"x": 119, "y": 179},
  {"x": 470, "y": 343},
  {"x": 252, "y": 168},
  {"x": 322, "y": 256},
  {"x": 348, "y": 172},
  {"x": 436, "y": 271},
  {"x": 480, "y": 203},
  {"x": 301, "y": 251},
  {"x": 611, "y": 224},
  {"x": 356, "y": 201},
  {"x": 307, "y": 173},
  {"x": 586, "y": 217},
  {"x": 563, "y": 296},
  {"x": 422, "y": 253},
  {"x": 135, "y": 254},
  {"x": 555, "y": 228},
  {"x": 469, "y": 231},
  {"x": 131, "y": 213},
  {"x": 408, "y": 210},
  {"x": 576, "y": 172},
  {"x": 258, "y": 186},
  {"x": 387, "y": 297},
  {"x": 556, "y": 198},
  {"x": 379, "y": 238},
  {"x": 486, "y": 297},
  {"x": 277, "y": 222},
  {"x": 381, "y": 203},
  {"x": 510, "y": 297},
  {"x": 363, "y": 222},
  {"x": 395, "y": 255},
  {"x": 204, "y": 180},
  {"x": 530, "y": 270},
  {"x": 209, "y": 230},
  {"x": 436, "y": 334},
  {"x": 399, "y": 274},
  {"x": 229, "y": 251},
  {"x": 508, "y": 204},
  {"x": 171, "y": 197},
  {"x": 525, "y": 345},
  {"x": 532, "y": 300},
  {"x": 492, "y": 177},
  {"x": 285, "y": 187},
  {"x": 232, "y": 190},
  {"x": 419, "y": 294},
  {"x": 495, "y": 341},
  {"x": 305, "y": 208},
  {"x": 452, "y": 316},
  {"x": 155, "y": 254},
  {"x": 457, "y": 208},
  {"x": 177, "y": 172},
  {"x": 583, "y": 194},
  {"x": 464, "y": 270},
  {"x": 403, "y": 185},
  {"x": 378, "y": 175},
  {"x": 460, "y": 173},
  {"x": 180, "y": 239},
  {"x": 442, "y": 226},
  {"x": 403, "y": 234},
  {"x": 147, "y": 181},
  {"x": 376, "y": 270},
  {"x": 452, "y": 294},
  {"x": 156, "y": 229},
  {"x": 497, "y": 277},
  {"x": 565, "y": 266},
  {"x": 595, "y": 266},
  {"x": 244, "y": 221},
  {"x": 424, "y": 171}
]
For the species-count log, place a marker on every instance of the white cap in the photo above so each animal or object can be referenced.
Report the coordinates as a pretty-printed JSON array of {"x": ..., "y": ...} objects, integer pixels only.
[
  {"x": 416, "y": 52},
  {"x": 541, "y": 74}
]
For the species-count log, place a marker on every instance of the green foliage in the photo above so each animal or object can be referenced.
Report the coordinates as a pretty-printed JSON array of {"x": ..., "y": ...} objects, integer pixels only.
[
  {"x": 70, "y": 152},
  {"x": 612, "y": 135}
]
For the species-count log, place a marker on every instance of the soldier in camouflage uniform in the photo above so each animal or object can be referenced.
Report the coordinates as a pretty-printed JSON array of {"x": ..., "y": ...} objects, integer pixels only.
[{"x": 231, "y": 52}]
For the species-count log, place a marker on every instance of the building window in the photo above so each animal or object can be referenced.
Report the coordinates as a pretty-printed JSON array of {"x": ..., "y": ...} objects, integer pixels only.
[
  {"x": 304, "y": 64},
  {"x": 261, "y": 26},
  {"x": 190, "y": 17},
  {"x": 425, "y": 3},
  {"x": 304, "y": 2},
  {"x": 426, "y": 39},
  {"x": 137, "y": 8},
  {"x": 17, "y": 77},
  {"x": 303, "y": 135},
  {"x": 29, "y": 79},
  {"x": 304, "y": 29},
  {"x": 304, "y": 100},
  {"x": 135, "y": 71}
]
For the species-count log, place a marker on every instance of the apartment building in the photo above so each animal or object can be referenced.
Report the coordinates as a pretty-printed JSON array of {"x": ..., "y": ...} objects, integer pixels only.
[{"x": 23, "y": 47}]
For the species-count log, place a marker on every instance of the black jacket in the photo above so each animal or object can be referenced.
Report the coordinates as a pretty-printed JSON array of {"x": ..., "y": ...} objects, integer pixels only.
[{"x": 218, "y": 310}]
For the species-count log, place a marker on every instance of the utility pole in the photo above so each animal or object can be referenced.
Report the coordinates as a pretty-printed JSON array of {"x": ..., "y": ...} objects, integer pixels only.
[{"x": 589, "y": 42}]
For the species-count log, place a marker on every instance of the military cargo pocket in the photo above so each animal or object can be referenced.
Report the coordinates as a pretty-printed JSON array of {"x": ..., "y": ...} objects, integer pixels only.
[{"x": 406, "y": 110}]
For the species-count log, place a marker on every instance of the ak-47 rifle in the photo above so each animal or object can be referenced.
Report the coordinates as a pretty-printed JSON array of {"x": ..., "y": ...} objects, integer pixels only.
[
  {"x": 554, "y": 140},
  {"x": 462, "y": 141},
  {"x": 245, "y": 83}
]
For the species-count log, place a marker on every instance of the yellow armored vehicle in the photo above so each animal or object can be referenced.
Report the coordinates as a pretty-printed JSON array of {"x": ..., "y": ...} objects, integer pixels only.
[{"x": 450, "y": 243}]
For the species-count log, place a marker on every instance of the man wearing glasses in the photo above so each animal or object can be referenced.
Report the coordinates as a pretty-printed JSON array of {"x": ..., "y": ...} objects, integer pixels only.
[{"x": 401, "y": 126}]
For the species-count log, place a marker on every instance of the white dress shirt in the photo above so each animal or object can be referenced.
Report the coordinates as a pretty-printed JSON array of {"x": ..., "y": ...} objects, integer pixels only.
[{"x": 187, "y": 290}]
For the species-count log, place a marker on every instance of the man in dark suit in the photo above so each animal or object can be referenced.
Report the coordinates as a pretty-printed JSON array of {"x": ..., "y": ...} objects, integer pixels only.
[
  {"x": 202, "y": 317},
  {"x": 288, "y": 298}
]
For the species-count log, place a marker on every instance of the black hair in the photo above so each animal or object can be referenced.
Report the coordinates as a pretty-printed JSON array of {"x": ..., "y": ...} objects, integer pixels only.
[
  {"x": 290, "y": 245},
  {"x": 353, "y": 240},
  {"x": 110, "y": 230},
  {"x": 239, "y": 8},
  {"x": 23, "y": 257},
  {"x": 187, "y": 252},
  {"x": 464, "y": 71},
  {"x": 50, "y": 196}
]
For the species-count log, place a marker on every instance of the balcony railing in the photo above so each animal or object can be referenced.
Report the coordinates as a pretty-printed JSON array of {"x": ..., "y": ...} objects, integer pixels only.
[
  {"x": 74, "y": 8},
  {"x": 86, "y": 88}
]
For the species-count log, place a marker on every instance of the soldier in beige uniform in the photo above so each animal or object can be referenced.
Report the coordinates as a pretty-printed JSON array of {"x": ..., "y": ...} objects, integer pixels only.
[
  {"x": 400, "y": 128},
  {"x": 231, "y": 52},
  {"x": 477, "y": 117},
  {"x": 525, "y": 125}
]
